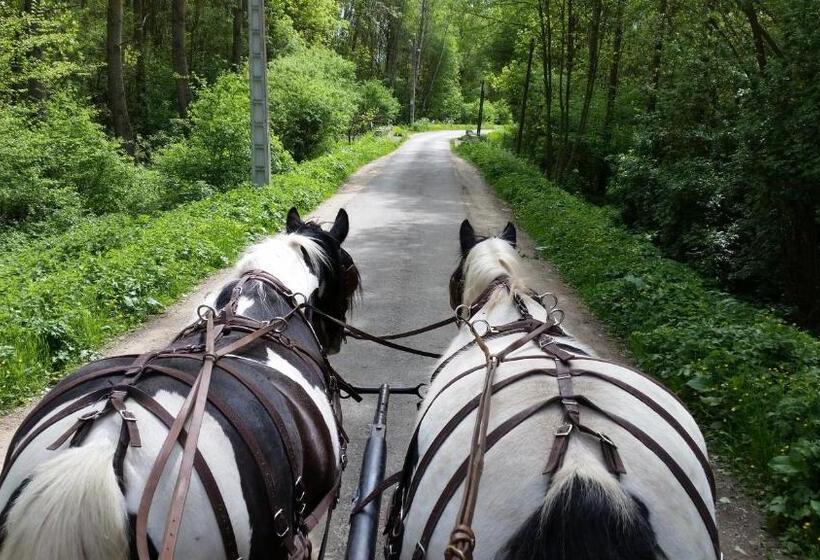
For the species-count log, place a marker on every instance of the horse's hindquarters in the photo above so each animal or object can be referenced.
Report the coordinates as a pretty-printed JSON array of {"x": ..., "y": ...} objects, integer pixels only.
[{"x": 513, "y": 485}]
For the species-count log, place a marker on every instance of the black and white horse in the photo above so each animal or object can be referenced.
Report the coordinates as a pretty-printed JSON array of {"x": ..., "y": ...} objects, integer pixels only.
[
  {"x": 582, "y": 511},
  {"x": 70, "y": 504}
]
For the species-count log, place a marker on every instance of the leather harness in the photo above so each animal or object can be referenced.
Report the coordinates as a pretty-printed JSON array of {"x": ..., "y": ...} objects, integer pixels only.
[
  {"x": 563, "y": 371},
  {"x": 288, "y": 507}
]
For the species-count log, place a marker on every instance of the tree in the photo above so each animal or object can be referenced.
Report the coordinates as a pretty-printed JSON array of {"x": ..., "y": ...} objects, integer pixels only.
[
  {"x": 179, "y": 56},
  {"x": 116, "y": 85}
]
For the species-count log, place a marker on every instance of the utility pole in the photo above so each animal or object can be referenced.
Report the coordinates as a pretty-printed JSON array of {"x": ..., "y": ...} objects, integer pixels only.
[
  {"x": 258, "y": 70},
  {"x": 480, "y": 110}
]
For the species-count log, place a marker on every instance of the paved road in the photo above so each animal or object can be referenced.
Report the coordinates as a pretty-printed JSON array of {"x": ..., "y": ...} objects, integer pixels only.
[{"x": 405, "y": 210}]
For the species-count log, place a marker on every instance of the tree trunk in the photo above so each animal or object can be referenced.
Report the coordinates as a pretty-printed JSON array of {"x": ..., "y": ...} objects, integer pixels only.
[
  {"x": 179, "y": 60},
  {"x": 748, "y": 9},
  {"x": 655, "y": 63},
  {"x": 614, "y": 69},
  {"x": 611, "y": 93},
  {"x": 524, "y": 98},
  {"x": 116, "y": 86},
  {"x": 236, "y": 46},
  {"x": 480, "y": 110},
  {"x": 36, "y": 90},
  {"x": 417, "y": 46},
  {"x": 545, "y": 20},
  {"x": 592, "y": 73},
  {"x": 438, "y": 67},
  {"x": 394, "y": 36},
  {"x": 569, "y": 64},
  {"x": 139, "y": 70}
]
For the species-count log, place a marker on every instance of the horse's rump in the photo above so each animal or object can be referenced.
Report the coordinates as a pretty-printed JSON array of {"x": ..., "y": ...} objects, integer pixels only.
[
  {"x": 282, "y": 445},
  {"x": 610, "y": 390}
]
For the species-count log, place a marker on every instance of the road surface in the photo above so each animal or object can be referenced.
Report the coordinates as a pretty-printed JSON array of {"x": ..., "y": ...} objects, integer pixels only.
[{"x": 405, "y": 209}]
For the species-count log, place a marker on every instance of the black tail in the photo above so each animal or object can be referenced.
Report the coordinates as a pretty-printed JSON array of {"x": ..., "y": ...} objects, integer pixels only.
[{"x": 584, "y": 520}]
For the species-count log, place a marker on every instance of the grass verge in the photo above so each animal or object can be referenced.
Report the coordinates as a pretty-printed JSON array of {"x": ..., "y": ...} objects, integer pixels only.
[
  {"x": 752, "y": 381},
  {"x": 63, "y": 297}
]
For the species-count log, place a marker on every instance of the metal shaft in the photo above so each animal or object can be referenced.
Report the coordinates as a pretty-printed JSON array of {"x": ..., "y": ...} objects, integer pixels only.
[{"x": 361, "y": 543}]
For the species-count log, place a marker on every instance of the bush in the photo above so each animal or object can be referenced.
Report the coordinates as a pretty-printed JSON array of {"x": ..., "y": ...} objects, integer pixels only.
[
  {"x": 470, "y": 112},
  {"x": 376, "y": 106},
  {"x": 751, "y": 380},
  {"x": 215, "y": 155},
  {"x": 59, "y": 165},
  {"x": 313, "y": 98},
  {"x": 63, "y": 296}
]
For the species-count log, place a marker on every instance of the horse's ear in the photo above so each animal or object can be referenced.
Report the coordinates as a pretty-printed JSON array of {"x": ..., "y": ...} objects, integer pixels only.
[
  {"x": 293, "y": 220},
  {"x": 341, "y": 226},
  {"x": 466, "y": 236},
  {"x": 509, "y": 234}
]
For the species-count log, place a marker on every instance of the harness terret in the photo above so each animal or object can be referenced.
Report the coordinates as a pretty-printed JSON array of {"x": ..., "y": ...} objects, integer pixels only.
[{"x": 194, "y": 366}]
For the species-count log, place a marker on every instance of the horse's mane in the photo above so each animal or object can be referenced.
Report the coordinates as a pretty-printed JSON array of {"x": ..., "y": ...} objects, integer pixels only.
[{"x": 487, "y": 261}]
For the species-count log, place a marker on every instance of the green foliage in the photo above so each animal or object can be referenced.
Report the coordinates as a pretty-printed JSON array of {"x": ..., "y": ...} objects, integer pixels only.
[
  {"x": 57, "y": 166},
  {"x": 376, "y": 107},
  {"x": 63, "y": 296},
  {"x": 313, "y": 98},
  {"x": 215, "y": 154},
  {"x": 752, "y": 381}
]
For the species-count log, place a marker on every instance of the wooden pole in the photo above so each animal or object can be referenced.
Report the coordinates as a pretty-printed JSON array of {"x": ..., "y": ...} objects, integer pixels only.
[
  {"x": 258, "y": 69},
  {"x": 480, "y": 109},
  {"x": 524, "y": 98}
]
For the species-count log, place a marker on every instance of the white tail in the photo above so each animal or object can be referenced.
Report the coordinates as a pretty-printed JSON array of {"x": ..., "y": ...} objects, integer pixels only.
[{"x": 71, "y": 509}]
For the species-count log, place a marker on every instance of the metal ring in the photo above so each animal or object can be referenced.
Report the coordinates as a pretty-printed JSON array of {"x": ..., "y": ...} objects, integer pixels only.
[
  {"x": 460, "y": 315},
  {"x": 208, "y": 310},
  {"x": 552, "y": 314},
  {"x": 487, "y": 330},
  {"x": 295, "y": 297},
  {"x": 281, "y": 324},
  {"x": 541, "y": 297}
]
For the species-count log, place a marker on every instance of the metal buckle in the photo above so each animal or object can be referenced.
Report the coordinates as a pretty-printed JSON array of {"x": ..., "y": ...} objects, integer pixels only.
[
  {"x": 299, "y": 488},
  {"x": 563, "y": 430},
  {"x": 421, "y": 548},
  {"x": 281, "y": 324},
  {"x": 127, "y": 415},
  {"x": 605, "y": 438},
  {"x": 286, "y": 526},
  {"x": 90, "y": 415}
]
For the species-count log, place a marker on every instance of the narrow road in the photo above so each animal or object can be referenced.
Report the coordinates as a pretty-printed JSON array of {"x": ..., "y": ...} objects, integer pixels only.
[{"x": 405, "y": 209}]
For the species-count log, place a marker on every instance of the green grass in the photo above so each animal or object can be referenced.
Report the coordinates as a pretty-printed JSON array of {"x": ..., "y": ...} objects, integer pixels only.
[
  {"x": 63, "y": 297},
  {"x": 752, "y": 380}
]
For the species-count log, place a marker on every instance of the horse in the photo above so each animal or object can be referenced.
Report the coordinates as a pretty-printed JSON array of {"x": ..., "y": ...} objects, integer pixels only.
[
  {"x": 271, "y": 450},
  {"x": 585, "y": 459}
]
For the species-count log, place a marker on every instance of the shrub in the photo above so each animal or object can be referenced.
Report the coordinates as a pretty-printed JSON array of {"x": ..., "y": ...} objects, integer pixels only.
[
  {"x": 215, "y": 155},
  {"x": 751, "y": 380},
  {"x": 469, "y": 113},
  {"x": 313, "y": 98},
  {"x": 63, "y": 296},
  {"x": 57, "y": 165},
  {"x": 376, "y": 106}
]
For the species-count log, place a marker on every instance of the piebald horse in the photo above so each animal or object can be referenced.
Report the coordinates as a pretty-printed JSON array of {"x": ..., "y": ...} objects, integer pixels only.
[
  {"x": 270, "y": 440},
  {"x": 629, "y": 480}
]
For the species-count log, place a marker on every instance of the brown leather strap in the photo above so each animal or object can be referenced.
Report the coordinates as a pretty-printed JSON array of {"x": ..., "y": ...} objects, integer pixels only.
[
  {"x": 204, "y": 473},
  {"x": 671, "y": 464},
  {"x": 458, "y": 477},
  {"x": 362, "y": 503},
  {"x": 194, "y": 408}
]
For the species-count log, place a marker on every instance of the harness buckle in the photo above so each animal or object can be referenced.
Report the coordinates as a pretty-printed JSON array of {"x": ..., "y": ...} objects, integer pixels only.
[
  {"x": 563, "y": 430},
  {"x": 90, "y": 415},
  {"x": 127, "y": 415},
  {"x": 300, "y": 490},
  {"x": 285, "y": 528}
]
